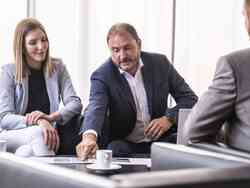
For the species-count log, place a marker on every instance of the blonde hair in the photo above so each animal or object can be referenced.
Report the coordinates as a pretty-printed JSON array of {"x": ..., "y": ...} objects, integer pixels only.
[{"x": 23, "y": 27}]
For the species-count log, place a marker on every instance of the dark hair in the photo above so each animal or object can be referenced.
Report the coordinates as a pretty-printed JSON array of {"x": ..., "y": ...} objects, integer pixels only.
[
  {"x": 123, "y": 27},
  {"x": 247, "y": 3}
]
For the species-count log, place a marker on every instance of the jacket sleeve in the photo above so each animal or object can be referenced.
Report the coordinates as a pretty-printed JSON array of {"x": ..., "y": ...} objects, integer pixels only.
[
  {"x": 183, "y": 95},
  {"x": 214, "y": 107},
  {"x": 71, "y": 102},
  {"x": 9, "y": 119},
  {"x": 94, "y": 115}
]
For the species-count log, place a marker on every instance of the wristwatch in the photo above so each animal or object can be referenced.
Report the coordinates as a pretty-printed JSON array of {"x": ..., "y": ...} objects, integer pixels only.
[{"x": 171, "y": 120}]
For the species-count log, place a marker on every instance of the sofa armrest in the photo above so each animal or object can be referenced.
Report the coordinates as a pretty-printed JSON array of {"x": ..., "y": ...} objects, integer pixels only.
[
  {"x": 187, "y": 178},
  {"x": 221, "y": 148},
  {"x": 166, "y": 156}
]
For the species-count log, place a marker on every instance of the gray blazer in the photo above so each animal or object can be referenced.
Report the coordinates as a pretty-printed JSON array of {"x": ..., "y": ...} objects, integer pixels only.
[
  {"x": 227, "y": 100},
  {"x": 14, "y": 97}
]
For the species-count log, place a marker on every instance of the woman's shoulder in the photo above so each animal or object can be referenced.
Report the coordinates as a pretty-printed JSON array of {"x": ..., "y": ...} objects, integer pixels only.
[
  {"x": 7, "y": 72},
  {"x": 59, "y": 68},
  {"x": 57, "y": 64},
  {"x": 10, "y": 68}
]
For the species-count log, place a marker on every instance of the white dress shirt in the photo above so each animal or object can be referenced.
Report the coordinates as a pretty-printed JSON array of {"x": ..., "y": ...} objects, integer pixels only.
[{"x": 136, "y": 85}]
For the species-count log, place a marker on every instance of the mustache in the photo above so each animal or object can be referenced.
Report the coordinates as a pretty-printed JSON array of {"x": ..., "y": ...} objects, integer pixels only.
[{"x": 125, "y": 60}]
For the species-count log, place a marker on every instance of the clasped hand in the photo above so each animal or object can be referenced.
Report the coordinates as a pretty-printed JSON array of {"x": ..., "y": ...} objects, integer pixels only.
[
  {"x": 33, "y": 117},
  {"x": 157, "y": 127}
]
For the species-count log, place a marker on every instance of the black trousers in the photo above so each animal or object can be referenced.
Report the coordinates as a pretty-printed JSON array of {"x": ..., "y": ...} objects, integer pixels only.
[
  {"x": 124, "y": 148},
  {"x": 69, "y": 135}
]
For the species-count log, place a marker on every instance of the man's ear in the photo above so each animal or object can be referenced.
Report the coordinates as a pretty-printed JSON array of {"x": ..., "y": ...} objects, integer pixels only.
[
  {"x": 247, "y": 20},
  {"x": 139, "y": 43}
]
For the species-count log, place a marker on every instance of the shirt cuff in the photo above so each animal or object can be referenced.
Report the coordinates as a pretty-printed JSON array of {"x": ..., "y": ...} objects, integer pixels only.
[{"x": 90, "y": 131}]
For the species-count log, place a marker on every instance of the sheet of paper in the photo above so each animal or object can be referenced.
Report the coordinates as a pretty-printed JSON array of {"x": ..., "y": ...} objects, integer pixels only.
[
  {"x": 62, "y": 160},
  {"x": 75, "y": 160},
  {"x": 141, "y": 161},
  {"x": 133, "y": 161}
]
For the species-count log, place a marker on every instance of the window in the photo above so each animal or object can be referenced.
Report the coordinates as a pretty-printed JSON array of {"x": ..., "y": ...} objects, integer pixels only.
[
  {"x": 77, "y": 31},
  {"x": 206, "y": 30},
  {"x": 11, "y": 12}
]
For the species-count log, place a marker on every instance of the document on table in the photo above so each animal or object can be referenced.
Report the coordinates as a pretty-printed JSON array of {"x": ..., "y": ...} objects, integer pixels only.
[
  {"x": 75, "y": 160},
  {"x": 62, "y": 160},
  {"x": 133, "y": 161}
]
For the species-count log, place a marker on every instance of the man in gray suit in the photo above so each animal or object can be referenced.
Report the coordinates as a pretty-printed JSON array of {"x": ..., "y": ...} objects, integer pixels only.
[{"x": 227, "y": 100}]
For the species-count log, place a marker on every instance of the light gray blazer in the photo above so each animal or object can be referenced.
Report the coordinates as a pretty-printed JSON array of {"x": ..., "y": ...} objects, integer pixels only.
[
  {"x": 14, "y": 97},
  {"x": 227, "y": 100}
]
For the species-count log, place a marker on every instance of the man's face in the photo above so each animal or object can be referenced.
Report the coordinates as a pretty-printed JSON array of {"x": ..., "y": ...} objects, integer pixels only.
[
  {"x": 125, "y": 51},
  {"x": 246, "y": 13}
]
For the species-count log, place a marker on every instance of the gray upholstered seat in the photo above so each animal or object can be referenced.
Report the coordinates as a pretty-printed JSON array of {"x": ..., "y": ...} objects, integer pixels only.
[
  {"x": 166, "y": 156},
  {"x": 24, "y": 173}
]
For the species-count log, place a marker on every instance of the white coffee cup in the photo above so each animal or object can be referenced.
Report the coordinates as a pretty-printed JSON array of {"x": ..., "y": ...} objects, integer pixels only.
[
  {"x": 103, "y": 158},
  {"x": 3, "y": 145}
]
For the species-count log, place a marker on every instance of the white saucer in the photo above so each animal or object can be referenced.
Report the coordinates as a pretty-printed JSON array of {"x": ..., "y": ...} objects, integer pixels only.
[{"x": 95, "y": 167}]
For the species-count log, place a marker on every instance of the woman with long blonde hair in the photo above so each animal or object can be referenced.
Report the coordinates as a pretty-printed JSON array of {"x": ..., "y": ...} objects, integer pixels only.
[{"x": 31, "y": 89}]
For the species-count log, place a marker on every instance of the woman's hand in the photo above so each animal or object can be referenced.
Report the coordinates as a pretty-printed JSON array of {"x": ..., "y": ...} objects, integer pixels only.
[
  {"x": 50, "y": 134},
  {"x": 33, "y": 117}
]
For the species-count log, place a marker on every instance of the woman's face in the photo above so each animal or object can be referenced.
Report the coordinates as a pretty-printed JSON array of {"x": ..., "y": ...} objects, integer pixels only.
[{"x": 36, "y": 47}]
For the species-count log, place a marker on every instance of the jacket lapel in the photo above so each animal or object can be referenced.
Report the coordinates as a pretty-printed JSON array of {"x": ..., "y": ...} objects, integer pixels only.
[
  {"x": 124, "y": 89},
  {"x": 147, "y": 75},
  {"x": 127, "y": 92},
  {"x": 25, "y": 87},
  {"x": 52, "y": 85}
]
